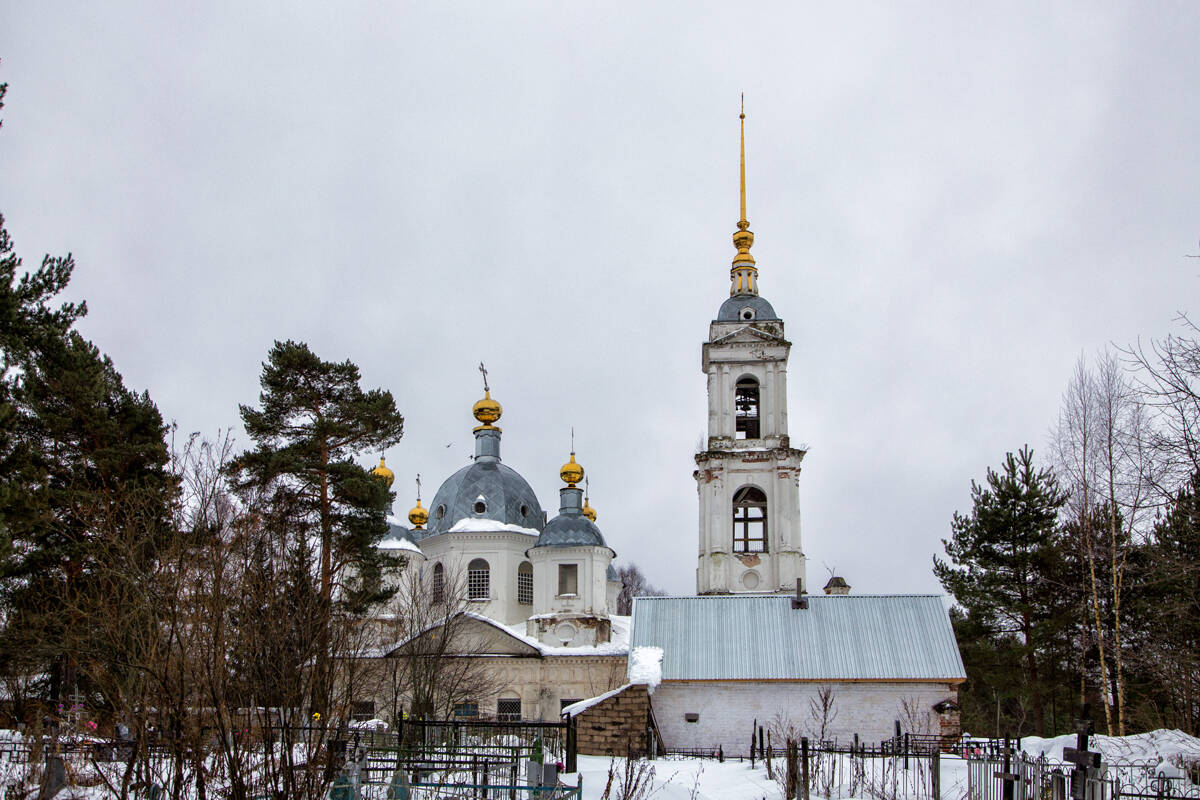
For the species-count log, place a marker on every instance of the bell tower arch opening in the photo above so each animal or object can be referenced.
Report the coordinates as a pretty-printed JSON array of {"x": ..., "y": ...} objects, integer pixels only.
[
  {"x": 749, "y": 520},
  {"x": 746, "y": 399}
]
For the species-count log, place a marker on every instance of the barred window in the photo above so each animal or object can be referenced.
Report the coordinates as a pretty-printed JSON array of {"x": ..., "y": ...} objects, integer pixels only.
[
  {"x": 362, "y": 710},
  {"x": 439, "y": 583},
  {"x": 525, "y": 583},
  {"x": 508, "y": 709},
  {"x": 749, "y": 520},
  {"x": 479, "y": 585}
]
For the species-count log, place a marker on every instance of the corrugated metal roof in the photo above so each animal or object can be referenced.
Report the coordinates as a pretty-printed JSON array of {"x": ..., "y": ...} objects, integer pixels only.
[{"x": 761, "y": 637}]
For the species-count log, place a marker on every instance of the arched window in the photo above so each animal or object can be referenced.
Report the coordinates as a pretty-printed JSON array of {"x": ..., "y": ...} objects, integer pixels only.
[
  {"x": 439, "y": 583},
  {"x": 749, "y": 520},
  {"x": 478, "y": 580},
  {"x": 525, "y": 583},
  {"x": 745, "y": 404}
]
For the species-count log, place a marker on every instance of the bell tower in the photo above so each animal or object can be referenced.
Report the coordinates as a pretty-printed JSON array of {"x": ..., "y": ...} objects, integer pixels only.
[{"x": 747, "y": 476}]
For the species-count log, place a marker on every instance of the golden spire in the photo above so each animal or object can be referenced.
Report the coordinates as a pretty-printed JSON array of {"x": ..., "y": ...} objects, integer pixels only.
[
  {"x": 418, "y": 516},
  {"x": 383, "y": 473},
  {"x": 744, "y": 275}
]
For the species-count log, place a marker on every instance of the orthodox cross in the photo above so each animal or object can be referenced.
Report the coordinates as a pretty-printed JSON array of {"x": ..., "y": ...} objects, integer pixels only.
[
  {"x": 483, "y": 371},
  {"x": 1081, "y": 758},
  {"x": 418, "y": 487}
]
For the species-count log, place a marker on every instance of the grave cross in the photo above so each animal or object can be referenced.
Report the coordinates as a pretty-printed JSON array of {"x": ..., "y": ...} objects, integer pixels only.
[
  {"x": 1008, "y": 777},
  {"x": 1081, "y": 758}
]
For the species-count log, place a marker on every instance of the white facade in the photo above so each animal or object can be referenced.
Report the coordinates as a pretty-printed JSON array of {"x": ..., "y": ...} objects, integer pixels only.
[{"x": 753, "y": 353}]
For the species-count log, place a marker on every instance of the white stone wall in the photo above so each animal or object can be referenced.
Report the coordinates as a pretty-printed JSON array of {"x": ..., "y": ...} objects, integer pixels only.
[
  {"x": 503, "y": 550},
  {"x": 729, "y": 709}
]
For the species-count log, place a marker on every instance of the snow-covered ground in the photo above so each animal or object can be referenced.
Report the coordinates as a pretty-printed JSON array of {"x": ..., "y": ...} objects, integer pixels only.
[{"x": 675, "y": 779}]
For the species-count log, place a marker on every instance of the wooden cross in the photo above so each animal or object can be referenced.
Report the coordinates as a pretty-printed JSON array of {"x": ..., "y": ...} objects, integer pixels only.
[{"x": 1081, "y": 758}]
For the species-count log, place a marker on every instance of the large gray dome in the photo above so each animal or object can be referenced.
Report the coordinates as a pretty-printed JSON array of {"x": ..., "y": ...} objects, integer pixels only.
[
  {"x": 735, "y": 309},
  {"x": 502, "y": 494}
]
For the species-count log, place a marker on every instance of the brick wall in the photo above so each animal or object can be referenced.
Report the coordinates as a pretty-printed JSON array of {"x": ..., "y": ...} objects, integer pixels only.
[
  {"x": 727, "y": 710},
  {"x": 616, "y": 725}
]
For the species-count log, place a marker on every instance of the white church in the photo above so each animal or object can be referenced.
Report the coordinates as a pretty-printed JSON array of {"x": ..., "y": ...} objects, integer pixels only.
[{"x": 752, "y": 642}]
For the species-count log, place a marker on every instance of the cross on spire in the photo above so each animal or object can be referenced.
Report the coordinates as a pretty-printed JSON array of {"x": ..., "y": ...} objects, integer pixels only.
[
  {"x": 483, "y": 371},
  {"x": 418, "y": 487}
]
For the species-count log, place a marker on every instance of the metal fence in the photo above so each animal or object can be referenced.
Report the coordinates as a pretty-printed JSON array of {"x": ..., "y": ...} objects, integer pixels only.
[{"x": 1047, "y": 779}]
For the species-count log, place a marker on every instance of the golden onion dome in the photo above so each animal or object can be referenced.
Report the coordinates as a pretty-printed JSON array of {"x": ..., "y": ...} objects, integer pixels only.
[
  {"x": 588, "y": 511},
  {"x": 418, "y": 516},
  {"x": 486, "y": 410},
  {"x": 571, "y": 473},
  {"x": 383, "y": 473}
]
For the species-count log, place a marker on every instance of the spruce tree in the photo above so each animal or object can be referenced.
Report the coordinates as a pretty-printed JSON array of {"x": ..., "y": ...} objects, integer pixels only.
[
  {"x": 313, "y": 419},
  {"x": 1000, "y": 556}
]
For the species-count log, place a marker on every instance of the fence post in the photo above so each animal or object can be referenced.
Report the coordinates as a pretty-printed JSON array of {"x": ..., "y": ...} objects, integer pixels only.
[
  {"x": 935, "y": 773},
  {"x": 572, "y": 746},
  {"x": 804, "y": 768},
  {"x": 770, "y": 775},
  {"x": 906, "y": 752},
  {"x": 792, "y": 768}
]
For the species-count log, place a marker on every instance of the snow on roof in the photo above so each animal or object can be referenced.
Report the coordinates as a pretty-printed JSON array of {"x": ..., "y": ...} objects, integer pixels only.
[
  {"x": 480, "y": 525},
  {"x": 397, "y": 543},
  {"x": 617, "y": 646},
  {"x": 583, "y": 705},
  {"x": 645, "y": 666}
]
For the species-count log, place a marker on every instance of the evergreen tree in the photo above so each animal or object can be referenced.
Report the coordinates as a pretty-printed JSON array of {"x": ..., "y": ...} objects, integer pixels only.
[
  {"x": 999, "y": 558},
  {"x": 312, "y": 420},
  {"x": 82, "y": 475}
]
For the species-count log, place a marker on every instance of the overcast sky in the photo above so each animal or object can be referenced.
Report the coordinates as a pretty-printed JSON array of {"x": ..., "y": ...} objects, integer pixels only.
[{"x": 952, "y": 203}]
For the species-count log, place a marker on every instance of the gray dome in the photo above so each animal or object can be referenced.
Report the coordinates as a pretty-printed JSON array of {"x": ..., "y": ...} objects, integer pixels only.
[
  {"x": 611, "y": 573},
  {"x": 569, "y": 530},
  {"x": 733, "y": 309},
  {"x": 504, "y": 494}
]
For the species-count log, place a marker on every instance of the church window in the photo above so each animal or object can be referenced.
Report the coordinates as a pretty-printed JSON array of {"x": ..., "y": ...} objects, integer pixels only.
[
  {"x": 480, "y": 506},
  {"x": 468, "y": 709},
  {"x": 749, "y": 520},
  {"x": 524, "y": 511},
  {"x": 525, "y": 583},
  {"x": 441, "y": 512},
  {"x": 745, "y": 405},
  {"x": 439, "y": 583},
  {"x": 362, "y": 710},
  {"x": 478, "y": 580},
  {"x": 747, "y": 314},
  {"x": 568, "y": 579},
  {"x": 568, "y": 701},
  {"x": 508, "y": 709}
]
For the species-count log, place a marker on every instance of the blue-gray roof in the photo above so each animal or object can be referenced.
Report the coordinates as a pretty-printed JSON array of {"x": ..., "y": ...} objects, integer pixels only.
[
  {"x": 761, "y": 637},
  {"x": 611, "y": 573},
  {"x": 568, "y": 530},
  {"x": 733, "y": 308},
  {"x": 505, "y": 495}
]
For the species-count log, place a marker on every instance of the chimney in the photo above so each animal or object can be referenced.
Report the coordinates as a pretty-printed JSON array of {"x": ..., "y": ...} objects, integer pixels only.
[
  {"x": 801, "y": 599},
  {"x": 837, "y": 585}
]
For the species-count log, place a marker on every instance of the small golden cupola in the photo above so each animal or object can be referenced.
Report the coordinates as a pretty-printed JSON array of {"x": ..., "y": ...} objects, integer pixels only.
[
  {"x": 383, "y": 473},
  {"x": 571, "y": 472},
  {"x": 486, "y": 410},
  {"x": 588, "y": 511},
  {"x": 418, "y": 516}
]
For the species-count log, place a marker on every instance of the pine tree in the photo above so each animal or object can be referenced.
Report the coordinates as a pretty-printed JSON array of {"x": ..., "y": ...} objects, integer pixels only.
[
  {"x": 999, "y": 558},
  {"x": 312, "y": 420}
]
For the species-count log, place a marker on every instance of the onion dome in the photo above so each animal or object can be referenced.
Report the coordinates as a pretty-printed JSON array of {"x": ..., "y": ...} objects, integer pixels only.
[
  {"x": 588, "y": 511},
  {"x": 485, "y": 489},
  {"x": 418, "y": 516},
  {"x": 571, "y": 473},
  {"x": 571, "y": 528},
  {"x": 383, "y": 473},
  {"x": 486, "y": 410}
]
